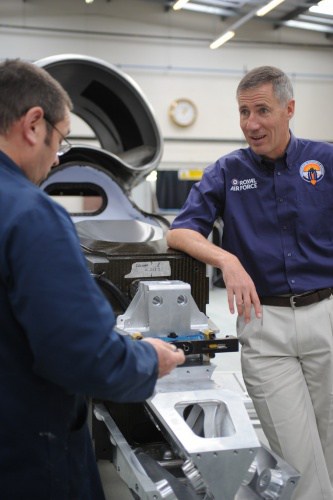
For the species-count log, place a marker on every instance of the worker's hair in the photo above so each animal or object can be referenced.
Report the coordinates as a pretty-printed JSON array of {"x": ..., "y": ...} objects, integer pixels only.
[
  {"x": 282, "y": 87},
  {"x": 24, "y": 85}
]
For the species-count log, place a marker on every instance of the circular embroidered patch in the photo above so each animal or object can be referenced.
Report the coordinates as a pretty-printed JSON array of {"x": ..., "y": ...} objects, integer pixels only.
[{"x": 312, "y": 171}]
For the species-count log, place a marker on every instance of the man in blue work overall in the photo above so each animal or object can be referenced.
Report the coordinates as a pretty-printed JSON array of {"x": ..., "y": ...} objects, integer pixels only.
[
  {"x": 57, "y": 344},
  {"x": 276, "y": 202}
]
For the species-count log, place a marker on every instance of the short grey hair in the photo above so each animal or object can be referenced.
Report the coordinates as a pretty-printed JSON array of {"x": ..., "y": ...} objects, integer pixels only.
[{"x": 282, "y": 87}]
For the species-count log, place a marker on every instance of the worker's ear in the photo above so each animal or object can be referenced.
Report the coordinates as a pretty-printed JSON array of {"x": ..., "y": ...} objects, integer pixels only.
[
  {"x": 291, "y": 108},
  {"x": 33, "y": 125}
]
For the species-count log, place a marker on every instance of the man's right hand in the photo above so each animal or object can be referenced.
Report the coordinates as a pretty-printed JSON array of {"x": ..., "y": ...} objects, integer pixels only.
[
  {"x": 168, "y": 355},
  {"x": 240, "y": 288},
  {"x": 239, "y": 285}
]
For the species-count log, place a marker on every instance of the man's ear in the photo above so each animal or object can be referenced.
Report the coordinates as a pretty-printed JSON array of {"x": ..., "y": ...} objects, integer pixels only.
[
  {"x": 33, "y": 124},
  {"x": 291, "y": 108}
]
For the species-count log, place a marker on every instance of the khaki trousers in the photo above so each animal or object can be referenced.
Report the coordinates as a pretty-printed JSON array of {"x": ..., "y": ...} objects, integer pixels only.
[{"x": 287, "y": 363}]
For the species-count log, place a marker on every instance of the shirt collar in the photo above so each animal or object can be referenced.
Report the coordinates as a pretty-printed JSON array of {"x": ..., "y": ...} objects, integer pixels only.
[
  {"x": 10, "y": 164},
  {"x": 288, "y": 156},
  {"x": 291, "y": 150}
]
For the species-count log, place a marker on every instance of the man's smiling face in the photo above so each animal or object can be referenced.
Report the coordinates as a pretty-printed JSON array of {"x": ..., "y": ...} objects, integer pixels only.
[{"x": 265, "y": 121}]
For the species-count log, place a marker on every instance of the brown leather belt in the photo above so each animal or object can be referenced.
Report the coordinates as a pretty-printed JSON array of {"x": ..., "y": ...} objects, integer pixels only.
[{"x": 303, "y": 299}]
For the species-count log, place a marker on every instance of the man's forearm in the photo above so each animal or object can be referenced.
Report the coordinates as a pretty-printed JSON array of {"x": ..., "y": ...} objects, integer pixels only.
[
  {"x": 239, "y": 285},
  {"x": 196, "y": 245}
]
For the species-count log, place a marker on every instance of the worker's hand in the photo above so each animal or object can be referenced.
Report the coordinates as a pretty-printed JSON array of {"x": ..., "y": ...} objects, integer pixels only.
[
  {"x": 168, "y": 355},
  {"x": 240, "y": 289}
]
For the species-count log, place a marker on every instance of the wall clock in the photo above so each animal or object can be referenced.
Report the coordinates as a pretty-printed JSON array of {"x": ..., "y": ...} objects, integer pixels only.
[{"x": 183, "y": 112}]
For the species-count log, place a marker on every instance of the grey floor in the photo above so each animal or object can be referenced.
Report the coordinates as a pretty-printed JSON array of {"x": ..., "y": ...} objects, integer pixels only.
[{"x": 227, "y": 372}]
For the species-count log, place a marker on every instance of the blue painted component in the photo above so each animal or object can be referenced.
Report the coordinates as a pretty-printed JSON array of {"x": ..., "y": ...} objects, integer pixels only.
[{"x": 186, "y": 338}]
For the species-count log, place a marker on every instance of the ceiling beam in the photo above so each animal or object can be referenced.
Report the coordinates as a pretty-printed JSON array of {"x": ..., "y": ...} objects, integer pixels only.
[{"x": 299, "y": 10}]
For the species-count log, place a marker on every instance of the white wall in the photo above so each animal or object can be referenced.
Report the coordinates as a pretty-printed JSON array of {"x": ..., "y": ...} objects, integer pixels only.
[{"x": 168, "y": 61}]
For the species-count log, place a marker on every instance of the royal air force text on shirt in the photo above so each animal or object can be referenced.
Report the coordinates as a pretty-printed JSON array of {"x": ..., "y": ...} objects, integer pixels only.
[{"x": 243, "y": 185}]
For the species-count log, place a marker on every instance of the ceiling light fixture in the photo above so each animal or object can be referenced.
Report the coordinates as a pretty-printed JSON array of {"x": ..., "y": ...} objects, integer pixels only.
[
  {"x": 324, "y": 7},
  {"x": 222, "y": 39},
  {"x": 316, "y": 19},
  {"x": 227, "y": 35},
  {"x": 268, "y": 7},
  {"x": 180, "y": 4},
  {"x": 307, "y": 26},
  {"x": 207, "y": 9},
  {"x": 89, "y": 1}
]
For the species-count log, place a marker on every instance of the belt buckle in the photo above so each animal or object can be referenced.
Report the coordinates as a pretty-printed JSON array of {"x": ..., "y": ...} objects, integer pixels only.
[{"x": 292, "y": 300}]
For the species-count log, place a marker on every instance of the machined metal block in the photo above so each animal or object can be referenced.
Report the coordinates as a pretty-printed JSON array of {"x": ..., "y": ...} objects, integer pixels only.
[{"x": 211, "y": 428}]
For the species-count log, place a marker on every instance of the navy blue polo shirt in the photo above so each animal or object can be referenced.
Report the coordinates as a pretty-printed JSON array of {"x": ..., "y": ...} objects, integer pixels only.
[
  {"x": 278, "y": 217},
  {"x": 57, "y": 345}
]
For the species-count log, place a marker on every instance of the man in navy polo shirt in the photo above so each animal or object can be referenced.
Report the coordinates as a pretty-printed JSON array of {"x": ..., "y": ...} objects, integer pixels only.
[
  {"x": 57, "y": 340},
  {"x": 275, "y": 199}
]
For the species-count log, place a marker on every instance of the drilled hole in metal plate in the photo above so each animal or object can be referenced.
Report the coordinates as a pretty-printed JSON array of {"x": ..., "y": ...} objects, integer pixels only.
[{"x": 181, "y": 300}]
